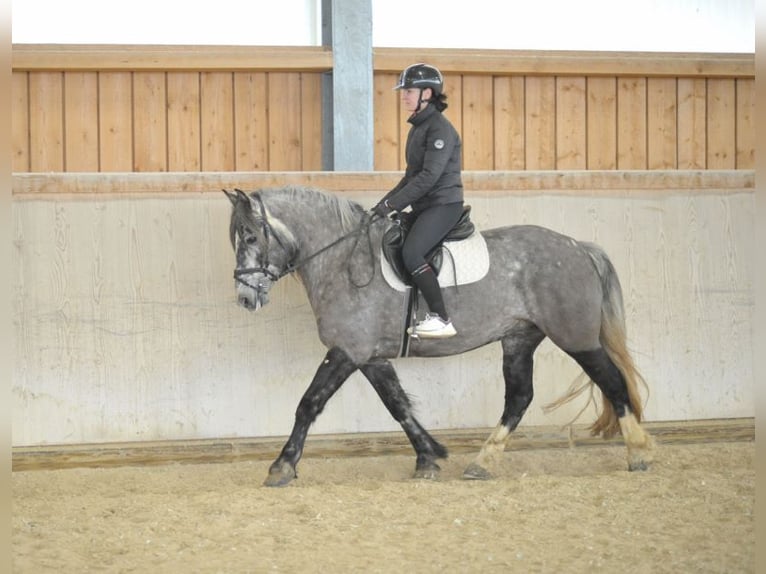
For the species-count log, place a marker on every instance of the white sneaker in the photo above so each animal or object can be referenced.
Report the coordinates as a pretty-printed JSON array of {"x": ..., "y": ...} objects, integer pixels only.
[{"x": 433, "y": 327}]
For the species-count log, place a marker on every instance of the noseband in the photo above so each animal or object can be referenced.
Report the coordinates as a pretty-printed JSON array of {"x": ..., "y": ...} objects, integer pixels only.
[{"x": 268, "y": 232}]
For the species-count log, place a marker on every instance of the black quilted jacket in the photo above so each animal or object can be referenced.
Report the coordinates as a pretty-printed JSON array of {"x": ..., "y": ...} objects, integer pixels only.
[{"x": 433, "y": 156}]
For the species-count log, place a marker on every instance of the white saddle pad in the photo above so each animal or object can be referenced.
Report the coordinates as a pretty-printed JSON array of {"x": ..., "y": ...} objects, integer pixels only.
[{"x": 471, "y": 263}]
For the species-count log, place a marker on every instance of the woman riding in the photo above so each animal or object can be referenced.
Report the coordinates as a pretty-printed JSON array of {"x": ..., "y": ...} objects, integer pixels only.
[{"x": 431, "y": 186}]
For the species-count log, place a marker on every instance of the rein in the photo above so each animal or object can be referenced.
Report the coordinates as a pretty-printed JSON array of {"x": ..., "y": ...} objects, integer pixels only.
[{"x": 292, "y": 267}]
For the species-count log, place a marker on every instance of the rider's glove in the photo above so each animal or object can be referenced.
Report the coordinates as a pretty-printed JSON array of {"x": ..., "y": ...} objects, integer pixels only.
[{"x": 383, "y": 209}]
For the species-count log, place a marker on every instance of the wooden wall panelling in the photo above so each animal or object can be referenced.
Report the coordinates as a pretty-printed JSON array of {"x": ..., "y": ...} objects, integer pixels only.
[
  {"x": 540, "y": 121},
  {"x": 386, "y": 122},
  {"x": 478, "y": 123},
  {"x": 81, "y": 121},
  {"x": 509, "y": 122},
  {"x": 284, "y": 122},
  {"x": 601, "y": 123},
  {"x": 115, "y": 105},
  {"x": 251, "y": 122},
  {"x": 692, "y": 128},
  {"x": 721, "y": 124},
  {"x": 662, "y": 118},
  {"x": 311, "y": 121},
  {"x": 631, "y": 123},
  {"x": 745, "y": 127},
  {"x": 453, "y": 89},
  {"x": 20, "y": 121},
  {"x": 571, "y": 122},
  {"x": 183, "y": 95},
  {"x": 629, "y": 119},
  {"x": 46, "y": 121},
  {"x": 217, "y": 121},
  {"x": 150, "y": 115}
]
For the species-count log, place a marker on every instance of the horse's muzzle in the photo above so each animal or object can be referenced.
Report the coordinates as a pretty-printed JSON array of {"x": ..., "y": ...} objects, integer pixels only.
[{"x": 253, "y": 294}]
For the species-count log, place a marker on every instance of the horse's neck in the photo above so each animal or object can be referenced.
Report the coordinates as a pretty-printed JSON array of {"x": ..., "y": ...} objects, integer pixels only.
[
  {"x": 311, "y": 225},
  {"x": 314, "y": 225}
]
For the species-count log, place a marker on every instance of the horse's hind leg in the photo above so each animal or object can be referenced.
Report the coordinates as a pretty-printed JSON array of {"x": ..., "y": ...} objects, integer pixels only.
[
  {"x": 518, "y": 350},
  {"x": 332, "y": 373},
  {"x": 602, "y": 371},
  {"x": 382, "y": 376}
]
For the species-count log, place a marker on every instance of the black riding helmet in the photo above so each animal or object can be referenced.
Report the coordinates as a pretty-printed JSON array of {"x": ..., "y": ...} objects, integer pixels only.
[{"x": 421, "y": 76}]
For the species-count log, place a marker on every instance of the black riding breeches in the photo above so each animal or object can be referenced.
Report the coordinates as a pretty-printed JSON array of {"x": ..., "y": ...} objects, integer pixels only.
[{"x": 429, "y": 228}]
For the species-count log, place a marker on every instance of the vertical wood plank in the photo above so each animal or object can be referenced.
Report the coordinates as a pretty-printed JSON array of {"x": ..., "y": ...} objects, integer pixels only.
[
  {"x": 602, "y": 123},
  {"x": 661, "y": 123},
  {"x": 509, "y": 123},
  {"x": 81, "y": 121},
  {"x": 570, "y": 123},
  {"x": 478, "y": 128},
  {"x": 115, "y": 105},
  {"x": 721, "y": 124},
  {"x": 404, "y": 128},
  {"x": 251, "y": 121},
  {"x": 311, "y": 121},
  {"x": 692, "y": 123},
  {"x": 284, "y": 121},
  {"x": 20, "y": 121},
  {"x": 46, "y": 121},
  {"x": 386, "y": 123},
  {"x": 745, "y": 156},
  {"x": 453, "y": 89},
  {"x": 631, "y": 123},
  {"x": 541, "y": 123},
  {"x": 217, "y": 121},
  {"x": 183, "y": 96},
  {"x": 150, "y": 113}
]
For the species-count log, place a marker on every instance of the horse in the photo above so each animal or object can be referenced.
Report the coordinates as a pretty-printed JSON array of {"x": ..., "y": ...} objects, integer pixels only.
[{"x": 540, "y": 284}]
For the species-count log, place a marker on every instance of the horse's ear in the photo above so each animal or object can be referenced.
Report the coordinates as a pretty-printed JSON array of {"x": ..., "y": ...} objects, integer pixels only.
[
  {"x": 232, "y": 197},
  {"x": 238, "y": 197},
  {"x": 242, "y": 195}
]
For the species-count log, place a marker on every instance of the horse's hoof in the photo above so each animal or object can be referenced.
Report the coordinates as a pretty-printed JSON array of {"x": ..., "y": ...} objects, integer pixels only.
[
  {"x": 427, "y": 474},
  {"x": 638, "y": 465},
  {"x": 280, "y": 476},
  {"x": 475, "y": 472},
  {"x": 427, "y": 471}
]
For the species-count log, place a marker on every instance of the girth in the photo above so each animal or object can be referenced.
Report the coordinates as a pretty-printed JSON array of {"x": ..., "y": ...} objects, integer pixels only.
[{"x": 394, "y": 237}]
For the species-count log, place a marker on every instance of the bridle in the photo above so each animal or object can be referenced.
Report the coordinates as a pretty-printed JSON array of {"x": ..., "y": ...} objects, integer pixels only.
[{"x": 265, "y": 267}]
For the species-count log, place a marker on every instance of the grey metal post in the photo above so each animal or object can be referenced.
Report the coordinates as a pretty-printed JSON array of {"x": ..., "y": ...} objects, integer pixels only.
[{"x": 347, "y": 118}]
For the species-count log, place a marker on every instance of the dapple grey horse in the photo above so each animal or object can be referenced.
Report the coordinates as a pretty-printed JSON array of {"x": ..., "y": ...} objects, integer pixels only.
[{"x": 539, "y": 284}]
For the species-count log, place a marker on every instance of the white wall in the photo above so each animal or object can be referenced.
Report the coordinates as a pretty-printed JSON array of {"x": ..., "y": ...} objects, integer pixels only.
[
  {"x": 126, "y": 327},
  {"x": 647, "y": 25},
  {"x": 629, "y": 25}
]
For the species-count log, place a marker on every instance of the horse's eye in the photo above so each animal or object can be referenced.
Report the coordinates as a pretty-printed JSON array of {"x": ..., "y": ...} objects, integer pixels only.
[{"x": 251, "y": 240}]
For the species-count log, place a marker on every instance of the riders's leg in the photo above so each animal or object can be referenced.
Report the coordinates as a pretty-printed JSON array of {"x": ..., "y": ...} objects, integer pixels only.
[
  {"x": 427, "y": 283},
  {"x": 382, "y": 376},
  {"x": 427, "y": 230},
  {"x": 518, "y": 350},
  {"x": 332, "y": 373}
]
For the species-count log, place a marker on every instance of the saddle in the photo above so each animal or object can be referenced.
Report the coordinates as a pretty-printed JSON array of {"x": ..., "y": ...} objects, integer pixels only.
[{"x": 394, "y": 237}]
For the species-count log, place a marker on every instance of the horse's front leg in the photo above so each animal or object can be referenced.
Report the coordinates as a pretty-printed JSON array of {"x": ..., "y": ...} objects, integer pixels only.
[
  {"x": 383, "y": 377},
  {"x": 331, "y": 374}
]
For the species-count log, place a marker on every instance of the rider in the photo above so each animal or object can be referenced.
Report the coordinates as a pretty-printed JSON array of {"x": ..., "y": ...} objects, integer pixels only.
[{"x": 431, "y": 186}]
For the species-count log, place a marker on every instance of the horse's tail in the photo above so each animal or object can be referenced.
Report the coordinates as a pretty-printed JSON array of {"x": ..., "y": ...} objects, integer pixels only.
[{"x": 613, "y": 338}]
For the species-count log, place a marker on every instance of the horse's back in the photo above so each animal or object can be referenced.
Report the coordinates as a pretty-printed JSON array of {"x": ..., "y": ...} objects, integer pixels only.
[{"x": 547, "y": 278}]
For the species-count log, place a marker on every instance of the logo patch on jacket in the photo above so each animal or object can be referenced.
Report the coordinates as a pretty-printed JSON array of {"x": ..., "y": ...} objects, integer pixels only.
[{"x": 439, "y": 144}]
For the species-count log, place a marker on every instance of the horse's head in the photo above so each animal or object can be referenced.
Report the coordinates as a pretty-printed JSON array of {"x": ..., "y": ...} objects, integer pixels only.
[{"x": 263, "y": 253}]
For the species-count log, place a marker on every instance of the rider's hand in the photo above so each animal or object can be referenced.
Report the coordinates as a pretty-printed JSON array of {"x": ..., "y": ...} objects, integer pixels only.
[{"x": 382, "y": 209}]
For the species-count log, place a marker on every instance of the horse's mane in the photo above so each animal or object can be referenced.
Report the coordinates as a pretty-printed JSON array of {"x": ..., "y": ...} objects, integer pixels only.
[{"x": 347, "y": 211}]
